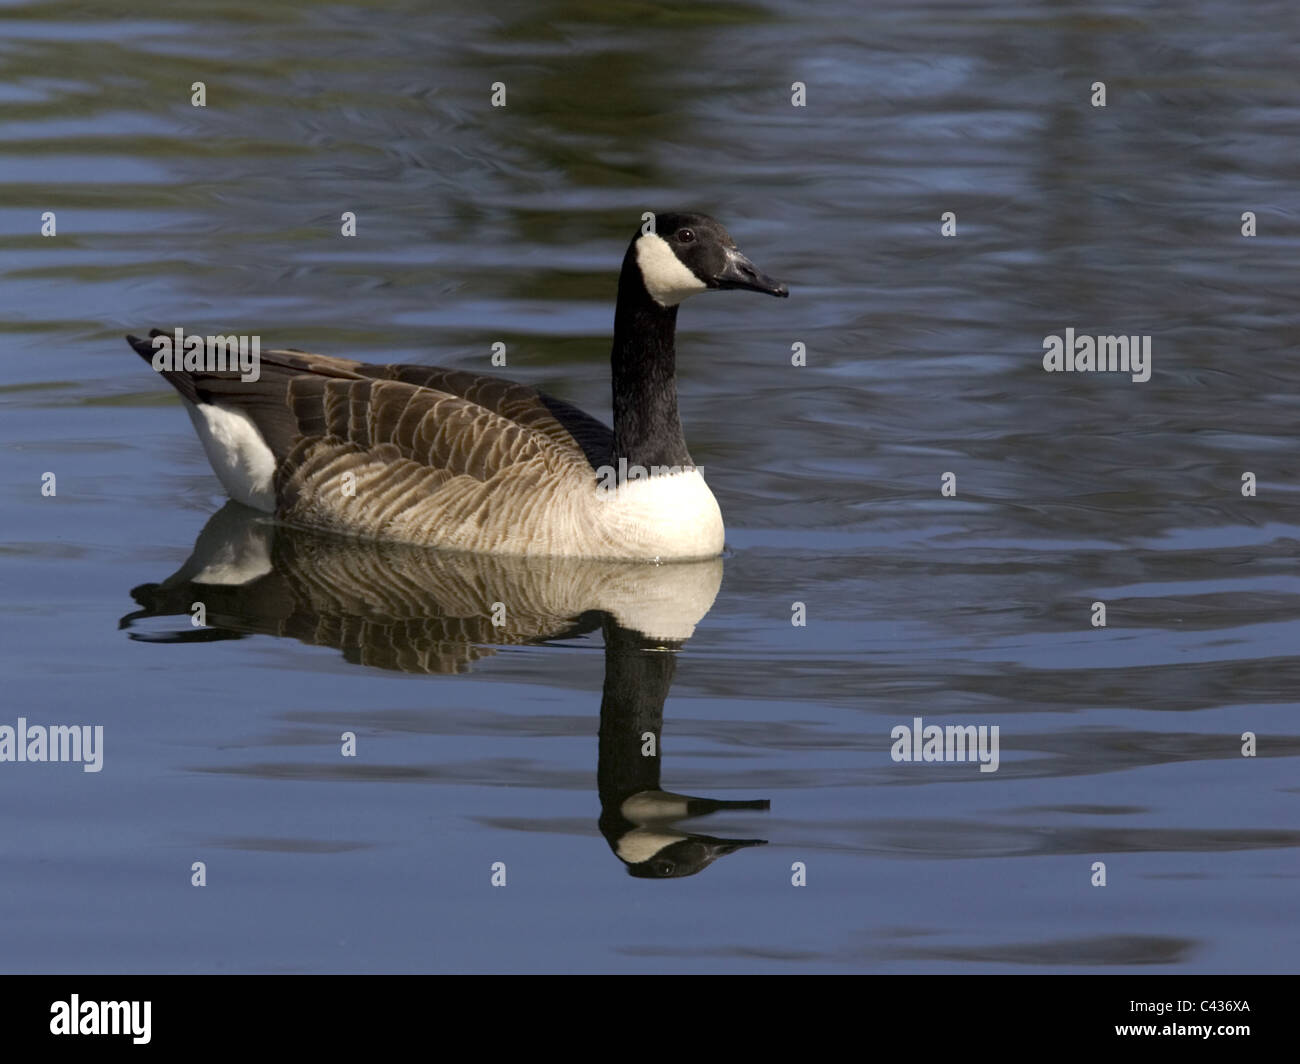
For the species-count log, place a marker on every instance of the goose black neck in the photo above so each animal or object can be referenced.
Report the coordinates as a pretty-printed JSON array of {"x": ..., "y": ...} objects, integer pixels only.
[{"x": 647, "y": 430}]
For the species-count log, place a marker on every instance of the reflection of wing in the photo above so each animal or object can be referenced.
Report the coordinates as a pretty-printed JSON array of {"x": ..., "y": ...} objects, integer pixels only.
[{"x": 414, "y": 609}]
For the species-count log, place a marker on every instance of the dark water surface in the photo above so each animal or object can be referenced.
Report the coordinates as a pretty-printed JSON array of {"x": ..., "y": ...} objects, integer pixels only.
[{"x": 478, "y": 744}]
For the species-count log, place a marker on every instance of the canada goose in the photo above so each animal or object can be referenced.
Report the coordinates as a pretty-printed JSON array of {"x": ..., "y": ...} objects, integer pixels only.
[{"x": 449, "y": 458}]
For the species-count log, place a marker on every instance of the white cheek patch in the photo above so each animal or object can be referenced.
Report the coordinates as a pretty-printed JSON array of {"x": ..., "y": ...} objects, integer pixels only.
[{"x": 666, "y": 277}]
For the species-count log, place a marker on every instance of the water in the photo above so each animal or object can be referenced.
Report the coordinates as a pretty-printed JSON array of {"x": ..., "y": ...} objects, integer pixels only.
[{"x": 478, "y": 745}]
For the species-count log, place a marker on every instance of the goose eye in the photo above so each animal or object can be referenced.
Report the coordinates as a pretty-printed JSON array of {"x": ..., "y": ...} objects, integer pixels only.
[
  {"x": 686, "y": 236},
  {"x": 665, "y": 868}
]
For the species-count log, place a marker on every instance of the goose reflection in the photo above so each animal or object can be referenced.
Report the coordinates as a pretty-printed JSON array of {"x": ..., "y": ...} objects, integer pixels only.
[
  {"x": 411, "y": 609},
  {"x": 638, "y": 819}
]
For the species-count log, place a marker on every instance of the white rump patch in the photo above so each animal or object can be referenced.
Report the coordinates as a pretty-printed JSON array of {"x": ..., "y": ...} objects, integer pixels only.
[
  {"x": 237, "y": 453},
  {"x": 666, "y": 277}
]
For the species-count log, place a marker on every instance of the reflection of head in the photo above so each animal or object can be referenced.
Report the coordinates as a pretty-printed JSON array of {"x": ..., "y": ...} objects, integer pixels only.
[{"x": 662, "y": 854}]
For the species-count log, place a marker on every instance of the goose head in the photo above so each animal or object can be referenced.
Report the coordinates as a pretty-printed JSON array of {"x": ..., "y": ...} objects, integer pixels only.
[{"x": 691, "y": 253}]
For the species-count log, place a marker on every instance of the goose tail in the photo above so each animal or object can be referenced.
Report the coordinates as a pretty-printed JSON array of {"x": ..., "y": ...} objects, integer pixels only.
[{"x": 180, "y": 380}]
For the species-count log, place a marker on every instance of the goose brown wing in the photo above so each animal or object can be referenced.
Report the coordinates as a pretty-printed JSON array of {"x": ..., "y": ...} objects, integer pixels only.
[
  {"x": 558, "y": 421},
  {"x": 264, "y": 400},
  {"x": 385, "y": 452}
]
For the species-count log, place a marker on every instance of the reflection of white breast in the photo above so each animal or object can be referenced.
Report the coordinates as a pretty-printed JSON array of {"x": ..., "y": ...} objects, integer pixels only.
[{"x": 660, "y": 601}]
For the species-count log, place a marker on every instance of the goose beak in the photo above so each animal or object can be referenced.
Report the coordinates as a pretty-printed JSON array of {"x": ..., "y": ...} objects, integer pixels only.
[{"x": 739, "y": 272}]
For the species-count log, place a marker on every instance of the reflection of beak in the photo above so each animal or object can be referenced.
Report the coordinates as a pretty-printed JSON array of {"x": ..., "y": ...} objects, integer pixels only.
[
  {"x": 721, "y": 847},
  {"x": 739, "y": 272}
]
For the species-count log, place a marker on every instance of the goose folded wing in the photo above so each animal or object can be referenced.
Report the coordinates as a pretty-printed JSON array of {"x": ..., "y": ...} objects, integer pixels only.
[
  {"x": 394, "y": 459},
  {"x": 557, "y": 420}
]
